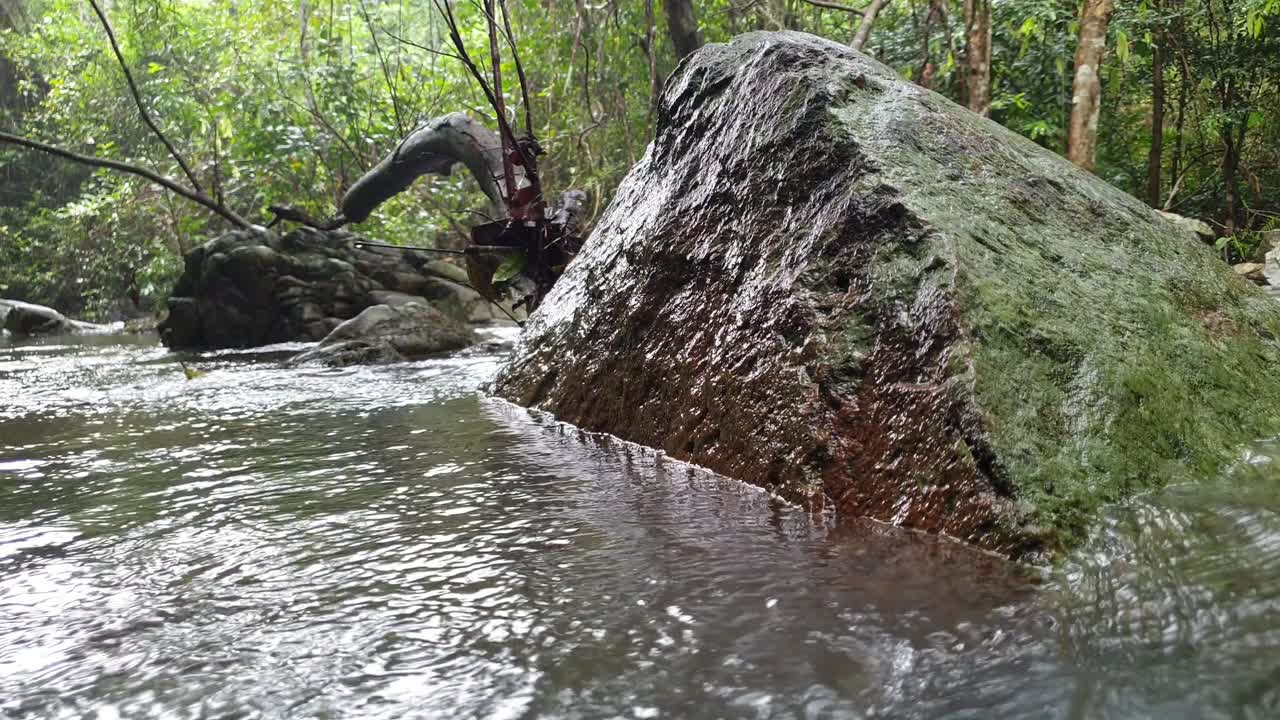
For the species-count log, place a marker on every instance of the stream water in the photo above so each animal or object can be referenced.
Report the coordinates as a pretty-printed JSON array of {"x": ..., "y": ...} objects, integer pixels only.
[{"x": 387, "y": 542}]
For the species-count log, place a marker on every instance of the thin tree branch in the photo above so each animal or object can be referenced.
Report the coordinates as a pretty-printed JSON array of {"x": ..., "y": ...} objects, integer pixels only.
[
  {"x": 455, "y": 36},
  {"x": 832, "y": 6},
  {"x": 508, "y": 173},
  {"x": 868, "y": 20},
  {"x": 386, "y": 72},
  {"x": 524, "y": 82},
  {"x": 137, "y": 99},
  {"x": 424, "y": 48},
  {"x": 195, "y": 196}
]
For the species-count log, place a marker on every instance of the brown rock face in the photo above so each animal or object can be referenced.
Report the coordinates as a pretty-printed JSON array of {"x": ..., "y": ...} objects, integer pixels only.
[
  {"x": 831, "y": 283},
  {"x": 722, "y": 312}
]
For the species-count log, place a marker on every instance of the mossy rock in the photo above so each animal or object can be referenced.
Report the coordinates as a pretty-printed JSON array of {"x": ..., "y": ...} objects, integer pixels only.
[{"x": 830, "y": 282}]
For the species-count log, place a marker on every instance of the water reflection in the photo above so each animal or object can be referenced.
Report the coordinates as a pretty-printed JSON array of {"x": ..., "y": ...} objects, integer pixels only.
[{"x": 385, "y": 542}]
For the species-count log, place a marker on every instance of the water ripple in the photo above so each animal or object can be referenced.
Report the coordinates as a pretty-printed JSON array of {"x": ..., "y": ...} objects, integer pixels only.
[{"x": 387, "y": 543}]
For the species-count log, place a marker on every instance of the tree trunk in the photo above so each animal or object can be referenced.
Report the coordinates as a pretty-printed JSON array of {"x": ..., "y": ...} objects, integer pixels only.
[
  {"x": 1232, "y": 145},
  {"x": 977, "y": 80},
  {"x": 13, "y": 16},
  {"x": 868, "y": 19},
  {"x": 937, "y": 13},
  {"x": 1086, "y": 88},
  {"x": 682, "y": 26},
  {"x": 1154, "y": 157},
  {"x": 434, "y": 148},
  {"x": 1178, "y": 55},
  {"x": 651, "y": 54},
  {"x": 1184, "y": 82}
]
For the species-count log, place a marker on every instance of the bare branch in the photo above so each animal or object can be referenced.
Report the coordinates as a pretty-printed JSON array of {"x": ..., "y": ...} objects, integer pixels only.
[
  {"x": 424, "y": 48},
  {"x": 192, "y": 195},
  {"x": 832, "y": 6},
  {"x": 386, "y": 72},
  {"x": 137, "y": 99},
  {"x": 455, "y": 36},
  {"x": 508, "y": 172},
  {"x": 524, "y": 82}
]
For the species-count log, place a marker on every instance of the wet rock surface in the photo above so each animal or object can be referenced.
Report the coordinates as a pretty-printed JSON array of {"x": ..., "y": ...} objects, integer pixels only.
[
  {"x": 23, "y": 318},
  {"x": 389, "y": 333},
  {"x": 832, "y": 283},
  {"x": 250, "y": 288}
]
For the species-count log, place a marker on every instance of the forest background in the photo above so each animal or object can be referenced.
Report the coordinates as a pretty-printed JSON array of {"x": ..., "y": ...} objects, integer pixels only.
[{"x": 289, "y": 102}]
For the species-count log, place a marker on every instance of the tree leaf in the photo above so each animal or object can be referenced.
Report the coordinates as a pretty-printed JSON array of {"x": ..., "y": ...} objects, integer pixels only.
[{"x": 511, "y": 266}]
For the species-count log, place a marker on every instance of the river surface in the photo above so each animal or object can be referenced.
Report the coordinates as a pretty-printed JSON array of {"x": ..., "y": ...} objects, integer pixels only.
[{"x": 387, "y": 542}]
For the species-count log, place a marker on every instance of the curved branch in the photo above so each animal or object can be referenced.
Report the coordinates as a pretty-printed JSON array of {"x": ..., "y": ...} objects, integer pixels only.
[
  {"x": 868, "y": 19},
  {"x": 832, "y": 6},
  {"x": 192, "y": 195},
  {"x": 432, "y": 149},
  {"x": 524, "y": 82},
  {"x": 137, "y": 99}
]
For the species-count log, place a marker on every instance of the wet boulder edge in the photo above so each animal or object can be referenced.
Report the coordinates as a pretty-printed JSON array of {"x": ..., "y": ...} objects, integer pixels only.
[{"x": 829, "y": 282}]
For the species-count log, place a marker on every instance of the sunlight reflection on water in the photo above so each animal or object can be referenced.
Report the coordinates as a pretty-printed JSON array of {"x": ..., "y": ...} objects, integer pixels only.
[{"x": 387, "y": 542}]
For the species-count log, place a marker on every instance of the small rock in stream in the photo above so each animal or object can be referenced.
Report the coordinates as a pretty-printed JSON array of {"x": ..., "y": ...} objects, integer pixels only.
[{"x": 389, "y": 333}]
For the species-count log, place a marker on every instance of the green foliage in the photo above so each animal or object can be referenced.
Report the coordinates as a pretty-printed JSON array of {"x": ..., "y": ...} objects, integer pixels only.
[
  {"x": 510, "y": 266},
  {"x": 288, "y": 103}
]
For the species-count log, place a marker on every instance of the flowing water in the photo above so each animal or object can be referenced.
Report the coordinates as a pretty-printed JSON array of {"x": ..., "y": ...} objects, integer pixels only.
[{"x": 387, "y": 542}]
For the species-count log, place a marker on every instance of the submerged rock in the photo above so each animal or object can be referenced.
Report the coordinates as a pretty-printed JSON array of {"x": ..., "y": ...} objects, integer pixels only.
[
  {"x": 389, "y": 333},
  {"x": 251, "y": 288},
  {"x": 23, "y": 318},
  {"x": 830, "y": 282}
]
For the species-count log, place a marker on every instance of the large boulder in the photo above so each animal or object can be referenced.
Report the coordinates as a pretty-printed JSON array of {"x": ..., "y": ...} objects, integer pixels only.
[
  {"x": 250, "y": 288},
  {"x": 389, "y": 333},
  {"x": 830, "y": 282}
]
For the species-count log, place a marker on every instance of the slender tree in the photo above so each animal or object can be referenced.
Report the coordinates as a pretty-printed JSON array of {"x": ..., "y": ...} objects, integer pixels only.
[
  {"x": 1086, "y": 86},
  {"x": 977, "y": 55},
  {"x": 651, "y": 55},
  {"x": 868, "y": 21},
  {"x": 937, "y": 15},
  {"x": 682, "y": 26},
  {"x": 1154, "y": 156},
  {"x": 868, "y": 17}
]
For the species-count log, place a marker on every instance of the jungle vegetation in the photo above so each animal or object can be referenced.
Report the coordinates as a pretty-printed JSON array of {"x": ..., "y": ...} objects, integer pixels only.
[{"x": 289, "y": 102}]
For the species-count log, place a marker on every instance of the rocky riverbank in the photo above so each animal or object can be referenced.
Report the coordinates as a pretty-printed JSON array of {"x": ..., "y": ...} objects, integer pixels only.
[{"x": 253, "y": 288}]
